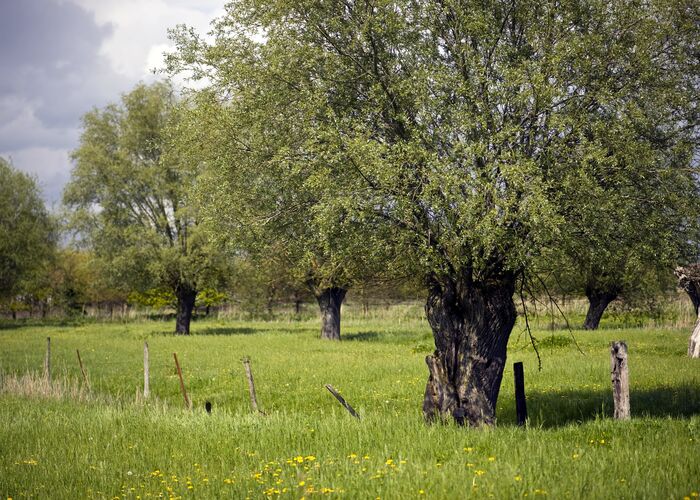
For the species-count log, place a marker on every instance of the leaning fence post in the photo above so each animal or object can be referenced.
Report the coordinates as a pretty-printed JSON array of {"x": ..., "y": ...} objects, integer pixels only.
[
  {"x": 188, "y": 403},
  {"x": 520, "y": 403},
  {"x": 620, "y": 380},
  {"x": 146, "y": 372},
  {"x": 251, "y": 385},
  {"x": 47, "y": 360},
  {"x": 342, "y": 401},
  {"x": 82, "y": 369}
]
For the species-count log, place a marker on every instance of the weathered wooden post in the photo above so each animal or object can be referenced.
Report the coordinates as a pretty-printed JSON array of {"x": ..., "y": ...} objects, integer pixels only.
[
  {"x": 47, "y": 361},
  {"x": 520, "y": 404},
  {"x": 251, "y": 385},
  {"x": 146, "y": 372},
  {"x": 188, "y": 403},
  {"x": 82, "y": 369},
  {"x": 620, "y": 380},
  {"x": 342, "y": 401}
]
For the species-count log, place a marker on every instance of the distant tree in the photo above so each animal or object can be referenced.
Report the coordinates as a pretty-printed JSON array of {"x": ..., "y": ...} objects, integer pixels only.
[
  {"x": 276, "y": 213},
  {"x": 631, "y": 213},
  {"x": 461, "y": 126},
  {"x": 27, "y": 232},
  {"x": 131, "y": 198}
]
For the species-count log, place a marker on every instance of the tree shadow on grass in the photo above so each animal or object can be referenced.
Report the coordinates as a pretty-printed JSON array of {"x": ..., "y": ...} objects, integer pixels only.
[
  {"x": 11, "y": 325},
  {"x": 226, "y": 330},
  {"x": 555, "y": 409},
  {"x": 361, "y": 337}
]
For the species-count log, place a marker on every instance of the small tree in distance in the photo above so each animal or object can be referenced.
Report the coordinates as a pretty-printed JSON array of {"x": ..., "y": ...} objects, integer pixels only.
[
  {"x": 130, "y": 195},
  {"x": 27, "y": 233}
]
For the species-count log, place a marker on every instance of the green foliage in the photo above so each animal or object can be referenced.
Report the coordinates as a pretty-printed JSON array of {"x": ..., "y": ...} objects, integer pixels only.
[
  {"x": 27, "y": 232},
  {"x": 131, "y": 194},
  {"x": 480, "y": 134},
  {"x": 155, "y": 298}
]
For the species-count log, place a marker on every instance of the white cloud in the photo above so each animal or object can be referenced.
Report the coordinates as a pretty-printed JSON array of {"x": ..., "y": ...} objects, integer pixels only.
[
  {"x": 139, "y": 29},
  {"x": 63, "y": 57}
]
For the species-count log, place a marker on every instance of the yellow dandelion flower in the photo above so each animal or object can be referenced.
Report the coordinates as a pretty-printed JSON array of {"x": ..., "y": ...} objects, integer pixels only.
[
  {"x": 302, "y": 483},
  {"x": 518, "y": 477}
]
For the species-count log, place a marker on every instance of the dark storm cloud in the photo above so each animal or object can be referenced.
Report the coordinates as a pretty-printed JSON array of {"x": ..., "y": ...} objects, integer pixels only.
[
  {"x": 52, "y": 73},
  {"x": 49, "y": 58}
]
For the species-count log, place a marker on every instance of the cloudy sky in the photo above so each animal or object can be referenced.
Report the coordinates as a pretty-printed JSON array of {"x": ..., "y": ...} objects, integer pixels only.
[{"x": 60, "y": 58}]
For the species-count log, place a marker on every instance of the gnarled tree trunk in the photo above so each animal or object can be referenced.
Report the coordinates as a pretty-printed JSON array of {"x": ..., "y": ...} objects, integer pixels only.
[
  {"x": 689, "y": 280},
  {"x": 186, "y": 296},
  {"x": 329, "y": 301},
  {"x": 598, "y": 301},
  {"x": 471, "y": 323}
]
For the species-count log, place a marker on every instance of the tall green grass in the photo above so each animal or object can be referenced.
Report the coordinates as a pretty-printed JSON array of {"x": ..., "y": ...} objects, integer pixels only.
[{"x": 66, "y": 441}]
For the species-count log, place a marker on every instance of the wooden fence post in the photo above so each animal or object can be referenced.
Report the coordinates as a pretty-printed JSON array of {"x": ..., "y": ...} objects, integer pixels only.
[
  {"x": 620, "y": 380},
  {"x": 251, "y": 385},
  {"x": 47, "y": 360},
  {"x": 146, "y": 372},
  {"x": 188, "y": 403},
  {"x": 82, "y": 369},
  {"x": 342, "y": 401},
  {"x": 520, "y": 403}
]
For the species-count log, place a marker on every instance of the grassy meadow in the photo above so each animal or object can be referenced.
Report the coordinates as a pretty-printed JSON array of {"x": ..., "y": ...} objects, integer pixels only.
[{"x": 71, "y": 441}]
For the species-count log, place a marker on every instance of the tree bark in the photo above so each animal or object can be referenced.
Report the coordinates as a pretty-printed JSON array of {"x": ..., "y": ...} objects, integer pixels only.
[
  {"x": 471, "y": 323},
  {"x": 694, "y": 342},
  {"x": 597, "y": 303},
  {"x": 689, "y": 280},
  {"x": 329, "y": 301},
  {"x": 186, "y": 296}
]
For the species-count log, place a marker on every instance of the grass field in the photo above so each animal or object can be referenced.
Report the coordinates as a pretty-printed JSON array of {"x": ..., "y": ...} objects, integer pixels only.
[{"x": 68, "y": 442}]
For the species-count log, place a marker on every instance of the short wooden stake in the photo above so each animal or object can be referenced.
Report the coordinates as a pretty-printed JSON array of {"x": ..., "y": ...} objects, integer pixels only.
[
  {"x": 520, "y": 403},
  {"x": 47, "y": 360},
  {"x": 342, "y": 401},
  {"x": 620, "y": 380},
  {"x": 251, "y": 385},
  {"x": 188, "y": 403},
  {"x": 146, "y": 372},
  {"x": 82, "y": 369}
]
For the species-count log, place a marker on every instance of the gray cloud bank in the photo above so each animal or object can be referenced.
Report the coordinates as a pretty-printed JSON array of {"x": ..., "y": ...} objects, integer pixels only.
[{"x": 60, "y": 58}]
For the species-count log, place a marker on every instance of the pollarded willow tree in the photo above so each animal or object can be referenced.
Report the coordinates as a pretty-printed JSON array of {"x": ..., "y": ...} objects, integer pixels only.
[
  {"x": 635, "y": 224},
  {"x": 277, "y": 205},
  {"x": 130, "y": 193},
  {"x": 461, "y": 126}
]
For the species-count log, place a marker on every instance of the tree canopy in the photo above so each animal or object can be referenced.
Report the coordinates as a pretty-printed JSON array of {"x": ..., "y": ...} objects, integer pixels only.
[
  {"x": 27, "y": 231},
  {"x": 131, "y": 197},
  {"x": 465, "y": 128}
]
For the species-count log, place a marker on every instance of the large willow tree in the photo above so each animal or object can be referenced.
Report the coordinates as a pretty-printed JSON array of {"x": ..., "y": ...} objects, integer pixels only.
[{"x": 460, "y": 125}]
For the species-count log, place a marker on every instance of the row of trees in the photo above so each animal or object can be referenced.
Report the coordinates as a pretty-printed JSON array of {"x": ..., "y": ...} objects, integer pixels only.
[{"x": 487, "y": 149}]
